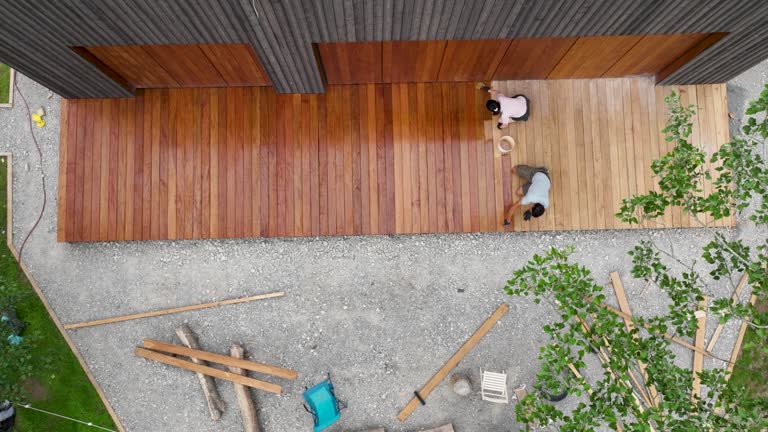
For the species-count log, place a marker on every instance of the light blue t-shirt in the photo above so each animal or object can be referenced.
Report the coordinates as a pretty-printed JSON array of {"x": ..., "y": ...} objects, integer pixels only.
[{"x": 538, "y": 191}]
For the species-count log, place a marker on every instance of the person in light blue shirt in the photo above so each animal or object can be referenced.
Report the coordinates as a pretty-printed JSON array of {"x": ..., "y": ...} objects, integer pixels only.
[{"x": 534, "y": 192}]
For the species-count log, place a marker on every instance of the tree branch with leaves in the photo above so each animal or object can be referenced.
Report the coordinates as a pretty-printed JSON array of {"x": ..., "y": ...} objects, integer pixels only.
[{"x": 620, "y": 397}]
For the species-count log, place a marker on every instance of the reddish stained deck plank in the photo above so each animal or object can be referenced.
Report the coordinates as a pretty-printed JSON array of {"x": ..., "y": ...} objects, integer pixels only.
[{"x": 368, "y": 159}]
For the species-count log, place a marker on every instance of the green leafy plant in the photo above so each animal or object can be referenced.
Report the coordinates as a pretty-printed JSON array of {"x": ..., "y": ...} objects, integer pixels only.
[
  {"x": 739, "y": 179},
  {"x": 657, "y": 398},
  {"x": 641, "y": 386}
]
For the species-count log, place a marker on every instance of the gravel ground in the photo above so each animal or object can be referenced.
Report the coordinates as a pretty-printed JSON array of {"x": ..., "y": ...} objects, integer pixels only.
[{"x": 381, "y": 313}]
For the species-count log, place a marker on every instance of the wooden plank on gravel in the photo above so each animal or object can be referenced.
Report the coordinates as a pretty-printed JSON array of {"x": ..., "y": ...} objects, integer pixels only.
[
  {"x": 173, "y": 310},
  {"x": 454, "y": 360},
  {"x": 734, "y": 300},
  {"x": 739, "y": 341},
  {"x": 216, "y": 373},
  {"x": 698, "y": 358},
  {"x": 221, "y": 359}
]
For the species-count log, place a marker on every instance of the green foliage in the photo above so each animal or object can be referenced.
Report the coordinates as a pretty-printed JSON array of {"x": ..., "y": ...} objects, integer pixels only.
[
  {"x": 740, "y": 174},
  {"x": 571, "y": 290},
  {"x": 620, "y": 396},
  {"x": 739, "y": 178},
  {"x": 43, "y": 356}
]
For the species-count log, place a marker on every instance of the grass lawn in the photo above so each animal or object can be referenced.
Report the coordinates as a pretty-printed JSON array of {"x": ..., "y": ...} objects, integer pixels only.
[
  {"x": 59, "y": 384},
  {"x": 5, "y": 83},
  {"x": 753, "y": 360}
]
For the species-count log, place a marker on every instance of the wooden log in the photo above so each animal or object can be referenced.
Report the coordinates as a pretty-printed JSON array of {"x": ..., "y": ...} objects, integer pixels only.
[
  {"x": 739, "y": 341},
  {"x": 216, "y": 373},
  {"x": 621, "y": 296},
  {"x": 172, "y": 310},
  {"x": 734, "y": 300},
  {"x": 453, "y": 361},
  {"x": 216, "y": 405},
  {"x": 221, "y": 359},
  {"x": 247, "y": 405},
  {"x": 698, "y": 358}
]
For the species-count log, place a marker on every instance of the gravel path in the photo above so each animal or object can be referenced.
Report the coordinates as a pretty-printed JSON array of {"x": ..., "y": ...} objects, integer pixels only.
[{"x": 381, "y": 314}]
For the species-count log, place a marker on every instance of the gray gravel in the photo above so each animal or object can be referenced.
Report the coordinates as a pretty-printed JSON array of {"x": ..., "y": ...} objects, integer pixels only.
[{"x": 381, "y": 314}]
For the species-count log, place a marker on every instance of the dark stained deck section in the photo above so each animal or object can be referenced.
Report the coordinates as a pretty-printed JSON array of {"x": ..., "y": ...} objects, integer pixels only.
[{"x": 361, "y": 159}]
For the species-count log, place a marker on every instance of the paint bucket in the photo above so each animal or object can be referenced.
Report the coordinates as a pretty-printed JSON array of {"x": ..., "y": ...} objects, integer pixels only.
[{"x": 509, "y": 146}]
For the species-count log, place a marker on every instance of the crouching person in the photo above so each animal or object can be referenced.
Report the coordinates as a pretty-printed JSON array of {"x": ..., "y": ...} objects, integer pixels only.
[
  {"x": 534, "y": 192},
  {"x": 509, "y": 109}
]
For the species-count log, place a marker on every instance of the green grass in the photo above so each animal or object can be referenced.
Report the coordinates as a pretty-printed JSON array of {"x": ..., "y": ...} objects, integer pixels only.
[
  {"x": 5, "y": 83},
  {"x": 752, "y": 367},
  {"x": 63, "y": 386}
]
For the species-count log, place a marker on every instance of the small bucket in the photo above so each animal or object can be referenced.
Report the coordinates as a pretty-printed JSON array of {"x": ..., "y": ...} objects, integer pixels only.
[{"x": 506, "y": 144}]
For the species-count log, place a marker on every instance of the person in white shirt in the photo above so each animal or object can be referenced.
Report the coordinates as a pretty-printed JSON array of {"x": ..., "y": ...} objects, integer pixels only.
[
  {"x": 510, "y": 109},
  {"x": 535, "y": 192}
]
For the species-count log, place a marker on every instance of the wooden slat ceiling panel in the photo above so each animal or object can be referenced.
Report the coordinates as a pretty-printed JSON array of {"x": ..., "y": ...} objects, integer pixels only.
[
  {"x": 412, "y": 61},
  {"x": 472, "y": 60},
  {"x": 134, "y": 64},
  {"x": 352, "y": 62},
  {"x": 532, "y": 58},
  {"x": 592, "y": 56},
  {"x": 187, "y": 64},
  {"x": 168, "y": 66},
  {"x": 653, "y": 53},
  {"x": 237, "y": 64}
]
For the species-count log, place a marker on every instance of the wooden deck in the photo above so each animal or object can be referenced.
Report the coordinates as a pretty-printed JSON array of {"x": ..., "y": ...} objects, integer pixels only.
[{"x": 361, "y": 159}]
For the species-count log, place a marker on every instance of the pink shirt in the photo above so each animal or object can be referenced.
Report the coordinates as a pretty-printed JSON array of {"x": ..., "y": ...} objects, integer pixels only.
[{"x": 511, "y": 108}]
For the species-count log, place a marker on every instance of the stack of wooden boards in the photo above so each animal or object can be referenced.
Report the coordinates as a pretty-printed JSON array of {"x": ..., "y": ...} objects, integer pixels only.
[{"x": 164, "y": 353}]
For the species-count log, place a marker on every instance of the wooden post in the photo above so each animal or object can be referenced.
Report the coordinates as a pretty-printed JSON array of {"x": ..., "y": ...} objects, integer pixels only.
[
  {"x": 734, "y": 300},
  {"x": 739, "y": 341},
  {"x": 216, "y": 405},
  {"x": 453, "y": 361},
  {"x": 247, "y": 405},
  {"x": 621, "y": 296},
  {"x": 698, "y": 357}
]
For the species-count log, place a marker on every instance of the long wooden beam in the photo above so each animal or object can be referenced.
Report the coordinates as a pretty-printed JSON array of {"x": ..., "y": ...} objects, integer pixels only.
[
  {"x": 207, "y": 370},
  {"x": 734, "y": 300},
  {"x": 621, "y": 297},
  {"x": 739, "y": 341},
  {"x": 453, "y": 361},
  {"x": 698, "y": 357},
  {"x": 173, "y": 310},
  {"x": 221, "y": 359},
  {"x": 674, "y": 339}
]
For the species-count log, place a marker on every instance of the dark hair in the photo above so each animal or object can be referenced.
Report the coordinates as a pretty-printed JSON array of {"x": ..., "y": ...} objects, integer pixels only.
[
  {"x": 493, "y": 106},
  {"x": 537, "y": 210}
]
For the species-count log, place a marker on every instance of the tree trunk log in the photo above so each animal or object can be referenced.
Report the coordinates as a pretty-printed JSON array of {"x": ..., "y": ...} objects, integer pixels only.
[
  {"x": 247, "y": 405},
  {"x": 215, "y": 403}
]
